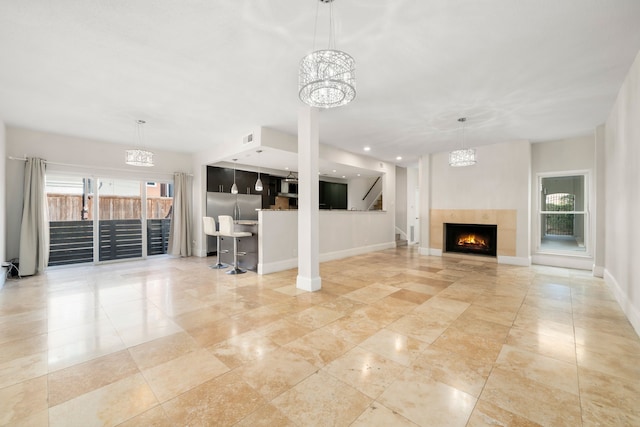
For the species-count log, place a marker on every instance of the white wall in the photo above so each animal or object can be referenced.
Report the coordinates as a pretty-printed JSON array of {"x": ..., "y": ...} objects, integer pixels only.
[
  {"x": 499, "y": 180},
  {"x": 413, "y": 205},
  {"x": 3, "y": 195},
  {"x": 622, "y": 187},
  {"x": 571, "y": 155},
  {"x": 342, "y": 234},
  {"x": 87, "y": 157},
  {"x": 401, "y": 201}
]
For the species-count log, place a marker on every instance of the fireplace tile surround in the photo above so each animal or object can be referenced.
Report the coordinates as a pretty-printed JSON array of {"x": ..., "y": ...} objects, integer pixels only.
[{"x": 505, "y": 219}]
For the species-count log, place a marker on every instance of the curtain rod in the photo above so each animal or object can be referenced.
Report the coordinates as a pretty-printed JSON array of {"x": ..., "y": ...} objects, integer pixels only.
[{"x": 23, "y": 159}]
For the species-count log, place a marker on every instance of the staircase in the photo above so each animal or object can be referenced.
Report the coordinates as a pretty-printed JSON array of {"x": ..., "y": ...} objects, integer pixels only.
[
  {"x": 400, "y": 241},
  {"x": 377, "y": 206}
]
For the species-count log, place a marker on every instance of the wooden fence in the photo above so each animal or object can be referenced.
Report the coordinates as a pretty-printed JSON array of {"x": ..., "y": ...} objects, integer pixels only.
[{"x": 69, "y": 207}]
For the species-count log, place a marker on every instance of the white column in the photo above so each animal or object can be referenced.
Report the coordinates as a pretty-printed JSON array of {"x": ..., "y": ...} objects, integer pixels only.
[{"x": 308, "y": 201}]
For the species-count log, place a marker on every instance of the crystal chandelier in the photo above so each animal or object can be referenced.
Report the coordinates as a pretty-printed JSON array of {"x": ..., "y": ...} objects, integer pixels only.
[
  {"x": 463, "y": 156},
  {"x": 139, "y": 156},
  {"x": 327, "y": 77}
]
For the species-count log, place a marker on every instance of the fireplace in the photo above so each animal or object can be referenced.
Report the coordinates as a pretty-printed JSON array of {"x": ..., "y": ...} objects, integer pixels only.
[{"x": 477, "y": 239}]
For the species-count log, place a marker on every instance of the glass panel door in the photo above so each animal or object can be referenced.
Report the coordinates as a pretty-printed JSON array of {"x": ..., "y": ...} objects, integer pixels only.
[
  {"x": 159, "y": 207},
  {"x": 120, "y": 214},
  {"x": 70, "y": 203}
]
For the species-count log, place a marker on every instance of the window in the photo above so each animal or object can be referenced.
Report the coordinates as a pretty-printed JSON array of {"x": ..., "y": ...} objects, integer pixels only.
[{"x": 563, "y": 215}]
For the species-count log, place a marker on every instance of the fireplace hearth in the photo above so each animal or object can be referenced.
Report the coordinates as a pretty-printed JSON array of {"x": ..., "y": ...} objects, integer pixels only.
[{"x": 475, "y": 239}]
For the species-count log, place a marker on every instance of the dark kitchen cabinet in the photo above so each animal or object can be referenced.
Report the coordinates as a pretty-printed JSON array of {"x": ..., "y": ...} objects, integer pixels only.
[{"x": 220, "y": 180}]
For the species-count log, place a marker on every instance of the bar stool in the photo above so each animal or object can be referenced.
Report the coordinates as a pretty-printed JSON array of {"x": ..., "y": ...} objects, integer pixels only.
[
  {"x": 227, "y": 230},
  {"x": 209, "y": 225}
]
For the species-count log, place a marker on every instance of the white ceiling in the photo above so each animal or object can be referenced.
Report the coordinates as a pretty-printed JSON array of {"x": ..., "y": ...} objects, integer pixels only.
[{"x": 203, "y": 72}]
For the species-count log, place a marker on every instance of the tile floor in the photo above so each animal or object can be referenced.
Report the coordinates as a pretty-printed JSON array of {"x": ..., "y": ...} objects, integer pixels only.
[{"x": 392, "y": 339}]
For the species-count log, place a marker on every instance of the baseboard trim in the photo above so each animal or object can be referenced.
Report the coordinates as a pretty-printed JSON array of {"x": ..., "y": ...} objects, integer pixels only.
[
  {"x": 629, "y": 310},
  {"x": 597, "y": 271},
  {"x": 3, "y": 278},
  {"x": 578, "y": 263},
  {"x": 514, "y": 260}
]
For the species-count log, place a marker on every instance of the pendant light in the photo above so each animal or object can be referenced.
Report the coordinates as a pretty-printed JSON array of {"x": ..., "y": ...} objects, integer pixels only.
[
  {"x": 139, "y": 156},
  {"x": 234, "y": 187},
  {"x": 462, "y": 157},
  {"x": 327, "y": 77},
  {"x": 258, "y": 186}
]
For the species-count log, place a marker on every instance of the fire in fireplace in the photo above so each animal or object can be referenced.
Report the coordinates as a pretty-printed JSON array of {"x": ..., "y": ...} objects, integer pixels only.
[{"x": 477, "y": 239}]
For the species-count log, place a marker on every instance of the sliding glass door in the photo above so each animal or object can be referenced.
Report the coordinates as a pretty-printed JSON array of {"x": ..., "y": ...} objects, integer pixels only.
[
  {"x": 101, "y": 220},
  {"x": 120, "y": 233}
]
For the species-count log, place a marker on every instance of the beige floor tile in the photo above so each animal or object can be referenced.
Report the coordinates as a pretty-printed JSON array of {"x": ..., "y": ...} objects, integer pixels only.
[
  {"x": 315, "y": 317},
  {"x": 542, "y": 369},
  {"x": 183, "y": 373},
  {"x": 154, "y": 417},
  {"x": 411, "y": 296},
  {"x": 322, "y": 400},
  {"x": 464, "y": 372},
  {"x": 610, "y": 391},
  {"x": 22, "y": 369},
  {"x": 162, "y": 350},
  {"x": 173, "y": 314},
  {"x": 71, "y": 382},
  {"x": 487, "y": 415},
  {"x": 23, "y": 347},
  {"x": 501, "y": 317},
  {"x": 319, "y": 347},
  {"x": 106, "y": 406},
  {"x": 378, "y": 415},
  {"x": 457, "y": 341},
  {"x": 599, "y": 414},
  {"x": 365, "y": 371},
  {"x": 224, "y": 401},
  {"x": 266, "y": 416},
  {"x": 394, "y": 346},
  {"x": 20, "y": 401},
  {"x": 427, "y": 402},
  {"x": 423, "y": 327},
  {"x": 602, "y": 342},
  {"x": 244, "y": 348},
  {"x": 371, "y": 293},
  {"x": 542, "y": 344},
  {"x": 283, "y": 331},
  {"x": 482, "y": 328},
  {"x": 277, "y": 372},
  {"x": 532, "y": 400},
  {"x": 199, "y": 318},
  {"x": 609, "y": 363},
  {"x": 355, "y": 327},
  {"x": 447, "y": 307}
]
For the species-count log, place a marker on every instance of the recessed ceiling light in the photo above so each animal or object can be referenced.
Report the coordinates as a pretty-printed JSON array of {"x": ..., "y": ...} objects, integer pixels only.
[
  {"x": 358, "y": 174},
  {"x": 343, "y": 176},
  {"x": 399, "y": 158},
  {"x": 334, "y": 171},
  {"x": 367, "y": 148},
  {"x": 286, "y": 169}
]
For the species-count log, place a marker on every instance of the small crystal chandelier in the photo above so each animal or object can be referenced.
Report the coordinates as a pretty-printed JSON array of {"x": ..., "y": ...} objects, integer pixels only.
[
  {"x": 462, "y": 157},
  {"x": 327, "y": 77},
  {"x": 139, "y": 156}
]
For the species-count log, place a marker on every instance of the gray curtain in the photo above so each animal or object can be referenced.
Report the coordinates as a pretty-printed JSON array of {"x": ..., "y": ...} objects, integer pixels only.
[
  {"x": 34, "y": 230},
  {"x": 180, "y": 232}
]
